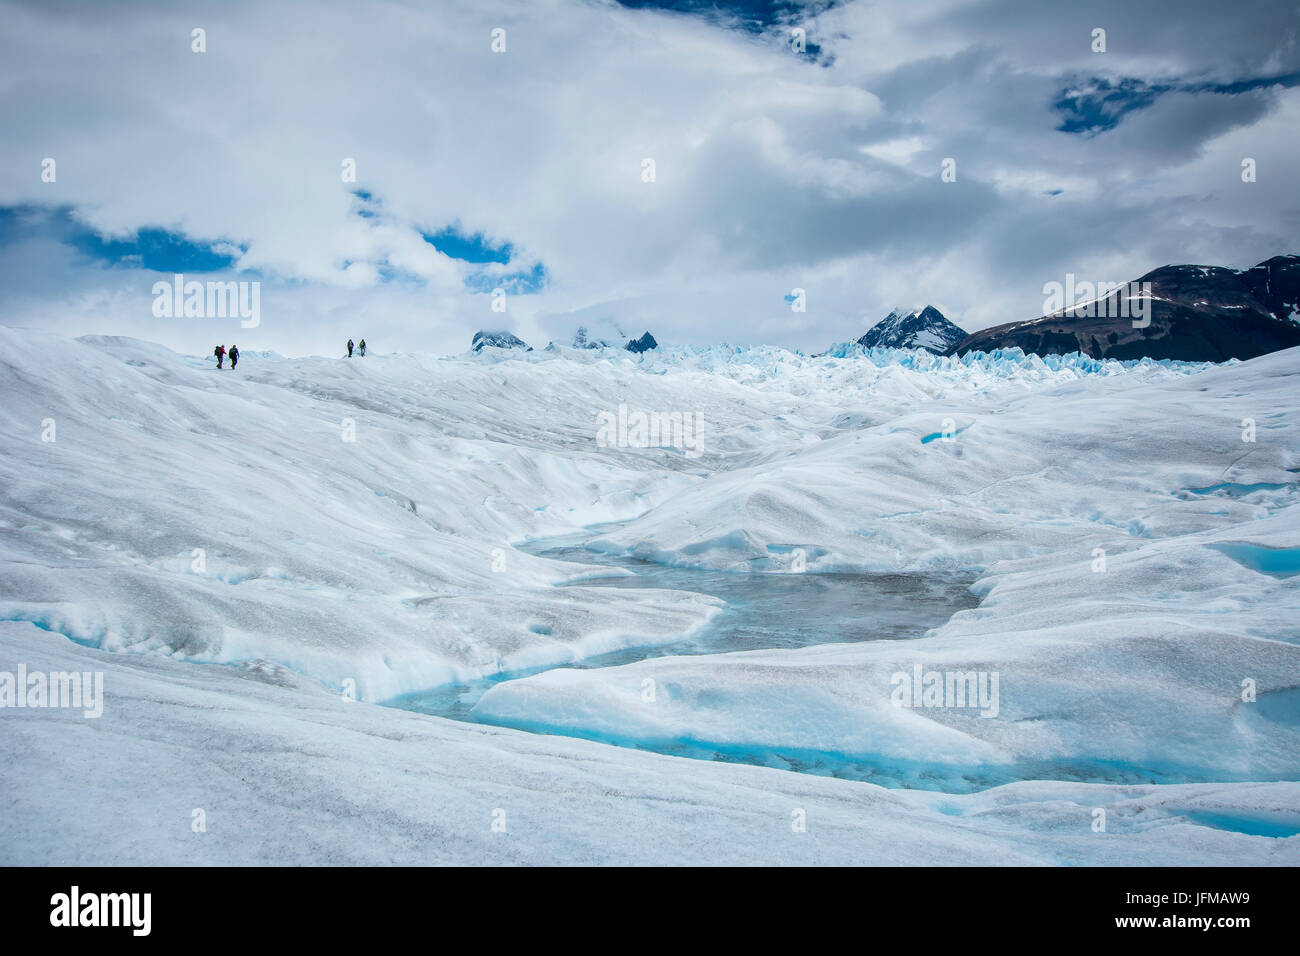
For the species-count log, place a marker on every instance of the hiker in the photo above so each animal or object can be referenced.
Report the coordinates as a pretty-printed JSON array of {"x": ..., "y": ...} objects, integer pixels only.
[
  {"x": 234, "y": 356},
  {"x": 349, "y": 348},
  {"x": 220, "y": 353},
  {"x": 362, "y": 347}
]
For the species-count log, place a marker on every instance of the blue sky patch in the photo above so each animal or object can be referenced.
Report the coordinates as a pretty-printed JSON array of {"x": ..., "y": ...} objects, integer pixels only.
[
  {"x": 159, "y": 250},
  {"x": 477, "y": 249},
  {"x": 1097, "y": 104},
  {"x": 753, "y": 16},
  {"x": 1101, "y": 104},
  {"x": 153, "y": 247},
  {"x": 368, "y": 207},
  {"x": 748, "y": 16},
  {"x": 1244, "y": 86},
  {"x": 468, "y": 247},
  {"x": 524, "y": 282}
]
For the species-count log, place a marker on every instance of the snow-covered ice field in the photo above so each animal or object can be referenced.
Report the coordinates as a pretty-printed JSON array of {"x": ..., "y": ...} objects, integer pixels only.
[{"x": 238, "y": 552}]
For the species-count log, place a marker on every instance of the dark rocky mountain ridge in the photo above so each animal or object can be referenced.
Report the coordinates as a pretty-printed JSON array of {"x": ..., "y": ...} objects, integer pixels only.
[{"x": 1195, "y": 313}]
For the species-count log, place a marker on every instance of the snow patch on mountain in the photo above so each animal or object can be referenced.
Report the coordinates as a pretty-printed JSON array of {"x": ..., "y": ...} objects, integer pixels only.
[
  {"x": 920, "y": 328},
  {"x": 497, "y": 340}
]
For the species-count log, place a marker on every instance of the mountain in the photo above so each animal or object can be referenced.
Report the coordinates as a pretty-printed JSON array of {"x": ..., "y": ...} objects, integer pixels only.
[
  {"x": 1196, "y": 313},
  {"x": 582, "y": 340},
  {"x": 644, "y": 344},
  {"x": 1276, "y": 284},
  {"x": 498, "y": 340},
  {"x": 919, "y": 329}
]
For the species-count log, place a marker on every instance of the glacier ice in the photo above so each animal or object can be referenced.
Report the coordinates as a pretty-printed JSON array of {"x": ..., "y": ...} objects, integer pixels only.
[{"x": 236, "y": 551}]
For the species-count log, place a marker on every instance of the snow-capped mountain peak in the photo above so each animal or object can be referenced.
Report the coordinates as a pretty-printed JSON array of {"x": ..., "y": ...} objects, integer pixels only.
[
  {"x": 499, "y": 340},
  {"x": 919, "y": 328}
]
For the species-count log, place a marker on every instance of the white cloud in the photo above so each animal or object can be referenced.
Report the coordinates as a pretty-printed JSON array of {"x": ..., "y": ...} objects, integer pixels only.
[{"x": 763, "y": 179}]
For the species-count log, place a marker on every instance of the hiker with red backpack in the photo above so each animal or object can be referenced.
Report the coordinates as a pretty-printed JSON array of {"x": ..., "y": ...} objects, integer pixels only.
[{"x": 220, "y": 353}]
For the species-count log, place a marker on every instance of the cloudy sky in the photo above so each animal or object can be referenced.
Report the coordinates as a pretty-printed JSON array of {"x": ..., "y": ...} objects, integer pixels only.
[{"x": 775, "y": 168}]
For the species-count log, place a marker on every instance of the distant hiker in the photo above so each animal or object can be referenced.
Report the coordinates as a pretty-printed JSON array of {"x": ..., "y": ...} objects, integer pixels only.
[
  {"x": 349, "y": 348},
  {"x": 220, "y": 353},
  {"x": 362, "y": 347},
  {"x": 234, "y": 356}
]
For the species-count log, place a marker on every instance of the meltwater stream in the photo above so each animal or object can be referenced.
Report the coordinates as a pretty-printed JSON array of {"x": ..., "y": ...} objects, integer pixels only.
[
  {"x": 763, "y": 611},
  {"x": 801, "y": 610}
]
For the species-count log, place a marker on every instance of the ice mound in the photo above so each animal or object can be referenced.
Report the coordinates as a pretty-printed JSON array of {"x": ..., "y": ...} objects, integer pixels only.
[
  {"x": 267, "y": 539},
  {"x": 1137, "y": 633},
  {"x": 296, "y": 775},
  {"x": 350, "y": 521}
]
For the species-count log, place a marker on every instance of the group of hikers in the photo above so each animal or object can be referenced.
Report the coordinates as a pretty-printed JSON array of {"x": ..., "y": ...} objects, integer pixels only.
[{"x": 220, "y": 353}]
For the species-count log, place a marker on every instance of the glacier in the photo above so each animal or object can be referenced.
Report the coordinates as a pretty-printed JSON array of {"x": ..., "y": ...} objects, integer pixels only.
[{"x": 260, "y": 561}]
